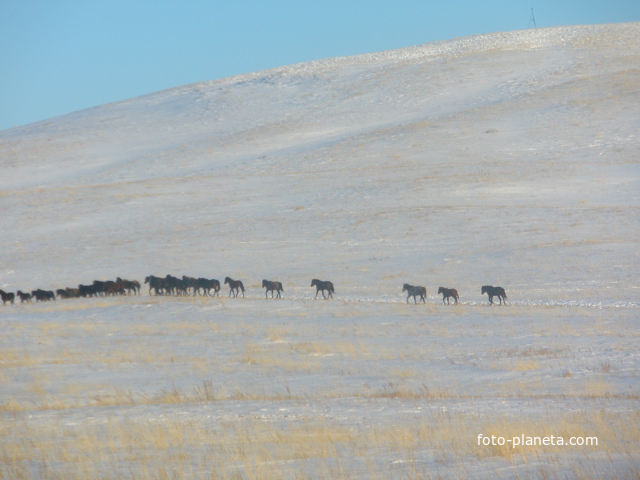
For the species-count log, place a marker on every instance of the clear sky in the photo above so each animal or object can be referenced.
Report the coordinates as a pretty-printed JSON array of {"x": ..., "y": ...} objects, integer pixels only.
[{"x": 59, "y": 56}]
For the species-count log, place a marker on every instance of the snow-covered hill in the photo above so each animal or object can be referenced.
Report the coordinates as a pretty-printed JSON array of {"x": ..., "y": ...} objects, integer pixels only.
[{"x": 508, "y": 158}]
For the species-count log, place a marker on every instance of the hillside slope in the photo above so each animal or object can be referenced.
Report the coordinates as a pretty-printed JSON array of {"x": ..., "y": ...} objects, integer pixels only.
[{"x": 508, "y": 159}]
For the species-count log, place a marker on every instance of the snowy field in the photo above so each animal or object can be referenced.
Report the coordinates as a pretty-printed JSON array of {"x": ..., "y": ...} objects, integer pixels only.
[{"x": 506, "y": 159}]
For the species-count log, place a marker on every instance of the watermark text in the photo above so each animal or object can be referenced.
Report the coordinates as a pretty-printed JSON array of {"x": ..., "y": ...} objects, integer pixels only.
[{"x": 528, "y": 441}]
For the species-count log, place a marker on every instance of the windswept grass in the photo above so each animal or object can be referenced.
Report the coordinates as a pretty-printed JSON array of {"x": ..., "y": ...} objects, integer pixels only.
[
  {"x": 311, "y": 447},
  {"x": 389, "y": 391}
]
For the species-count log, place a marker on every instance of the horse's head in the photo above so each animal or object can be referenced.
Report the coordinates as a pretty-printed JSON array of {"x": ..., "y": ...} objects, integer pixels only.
[
  {"x": 227, "y": 280},
  {"x": 264, "y": 283},
  {"x": 405, "y": 287},
  {"x": 146, "y": 279},
  {"x": 314, "y": 282},
  {"x": 440, "y": 290},
  {"x": 485, "y": 289}
]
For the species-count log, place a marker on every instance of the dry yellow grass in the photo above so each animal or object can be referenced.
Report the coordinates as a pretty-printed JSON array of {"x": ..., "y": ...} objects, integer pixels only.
[
  {"x": 178, "y": 447},
  {"x": 366, "y": 366}
]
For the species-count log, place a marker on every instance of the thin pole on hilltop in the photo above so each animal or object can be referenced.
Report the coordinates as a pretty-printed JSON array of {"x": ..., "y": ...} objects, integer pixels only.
[{"x": 532, "y": 19}]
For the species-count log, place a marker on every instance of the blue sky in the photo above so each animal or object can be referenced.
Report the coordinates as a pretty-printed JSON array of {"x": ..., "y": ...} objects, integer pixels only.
[{"x": 59, "y": 56}]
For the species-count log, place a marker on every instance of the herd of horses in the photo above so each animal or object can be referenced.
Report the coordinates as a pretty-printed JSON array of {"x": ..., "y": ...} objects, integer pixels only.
[
  {"x": 97, "y": 288},
  {"x": 172, "y": 285}
]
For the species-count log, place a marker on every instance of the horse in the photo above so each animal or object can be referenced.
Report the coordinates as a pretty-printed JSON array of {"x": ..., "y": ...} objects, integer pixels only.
[
  {"x": 234, "y": 286},
  {"x": 71, "y": 292},
  {"x": 43, "y": 295},
  {"x": 415, "y": 291},
  {"x": 24, "y": 297},
  {"x": 322, "y": 286},
  {"x": 157, "y": 284},
  {"x": 64, "y": 293},
  {"x": 494, "y": 292},
  {"x": 114, "y": 288},
  {"x": 7, "y": 297},
  {"x": 190, "y": 283},
  {"x": 100, "y": 287},
  {"x": 448, "y": 292},
  {"x": 206, "y": 284},
  {"x": 271, "y": 287},
  {"x": 86, "y": 291},
  {"x": 174, "y": 286},
  {"x": 131, "y": 286}
]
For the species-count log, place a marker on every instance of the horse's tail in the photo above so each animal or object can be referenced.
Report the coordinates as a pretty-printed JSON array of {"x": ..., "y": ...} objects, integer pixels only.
[{"x": 241, "y": 286}]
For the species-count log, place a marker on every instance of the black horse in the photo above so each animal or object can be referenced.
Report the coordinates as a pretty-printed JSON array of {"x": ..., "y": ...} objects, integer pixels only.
[
  {"x": 494, "y": 292},
  {"x": 206, "y": 284},
  {"x": 158, "y": 284},
  {"x": 43, "y": 295},
  {"x": 234, "y": 286},
  {"x": 415, "y": 292},
  {"x": 7, "y": 297},
  {"x": 24, "y": 297},
  {"x": 447, "y": 293},
  {"x": 86, "y": 291},
  {"x": 272, "y": 287},
  {"x": 323, "y": 286}
]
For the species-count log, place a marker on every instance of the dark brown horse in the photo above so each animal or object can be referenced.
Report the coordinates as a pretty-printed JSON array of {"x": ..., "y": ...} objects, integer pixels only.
[
  {"x": 323, "y": 286},
  {"x": 494, "y": 292},
  {"x": 448, "y": 293},
  {"x": 272, "y": 287},
  {"x": 7, "y": 296},
  {"x": 234, "y": 286},
  {"x": 415, "y": 292},
  {"x": 24, "y": 297},
  {"x": 131, "y": 286}
]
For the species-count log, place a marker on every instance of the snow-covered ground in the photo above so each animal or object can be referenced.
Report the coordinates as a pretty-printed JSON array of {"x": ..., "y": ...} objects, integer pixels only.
[{"x": 508, "y": 159}]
